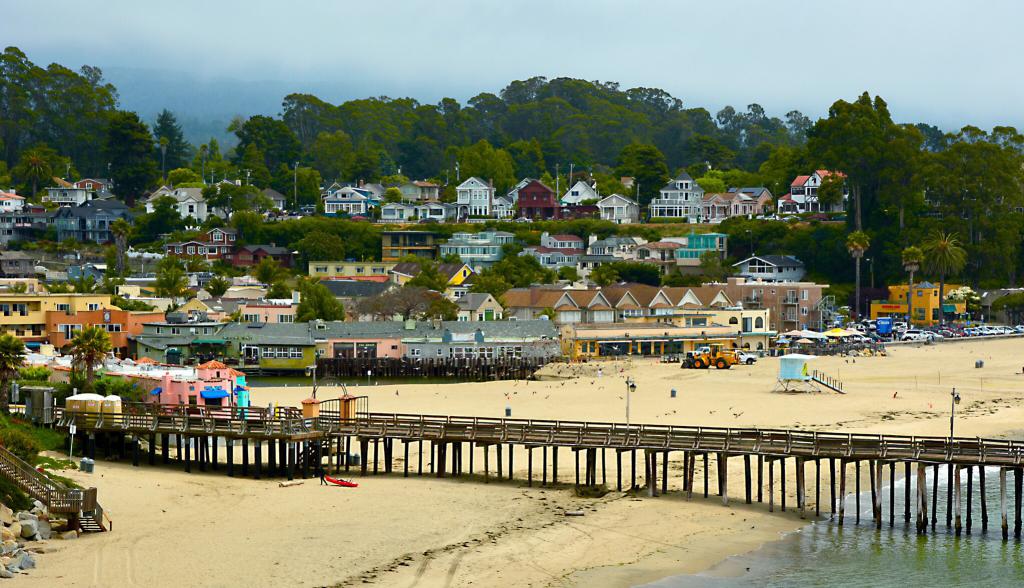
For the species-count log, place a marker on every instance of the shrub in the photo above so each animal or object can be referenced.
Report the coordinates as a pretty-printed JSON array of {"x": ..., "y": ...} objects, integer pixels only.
[
  {"x": 19, "y": 443},
  {"x": 12, "y": 497}
]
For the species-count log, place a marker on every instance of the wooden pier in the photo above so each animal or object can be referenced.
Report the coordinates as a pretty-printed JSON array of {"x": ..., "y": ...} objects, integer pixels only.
[{"x": 300, "y": 446}]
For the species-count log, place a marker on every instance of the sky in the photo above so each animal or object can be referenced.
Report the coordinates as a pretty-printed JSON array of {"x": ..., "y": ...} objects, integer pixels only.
[{"x": 943, "y": 62}]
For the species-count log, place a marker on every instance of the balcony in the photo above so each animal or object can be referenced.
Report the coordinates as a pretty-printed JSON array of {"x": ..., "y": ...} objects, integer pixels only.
[{"x": 790, "y": 300}]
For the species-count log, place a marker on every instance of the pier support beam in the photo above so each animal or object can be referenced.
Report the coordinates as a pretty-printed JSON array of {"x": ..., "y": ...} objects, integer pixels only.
[
  {"x": 1002, "y": 502},
  {"x": 229, "y": 448},
  {"x": 746, "y": 478},
  {"x": 984, "y": 499},
  {"x": 970, "y": 497},
  {"x": 842, "y": 491},
  {"x": 922, "y": 499},
  {"x": 1016, "y": 502},
  {"x": 801, "y": 487}
]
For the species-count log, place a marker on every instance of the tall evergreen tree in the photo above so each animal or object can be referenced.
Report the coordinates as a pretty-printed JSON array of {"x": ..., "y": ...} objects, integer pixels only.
[
  {"x": 129, "y": 150},
  {"x": 167, "y": 132}
]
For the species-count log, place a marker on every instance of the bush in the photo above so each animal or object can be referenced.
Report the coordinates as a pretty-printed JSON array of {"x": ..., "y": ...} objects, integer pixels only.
[
  {"x": 12, "y": 497},
  {"x": 36, "y": 373},
  {"x": 19, "y": 443}
]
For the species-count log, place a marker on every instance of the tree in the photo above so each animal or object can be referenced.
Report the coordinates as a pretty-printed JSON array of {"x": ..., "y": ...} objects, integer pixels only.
[
  {"x": 173, "y": 150},
  {"x": 333, "y": 154},
  {"x": 317, "y": 302},
  {"x": 217, "y": 286},
  {"x": 183, "y": 176},
  {"x": 279, "y": 291},
  {"x": 441, "y": 308},
  {"x": 646, "y": 165},
  {"x": 712, "y": 267},
  {"x": 407, "y": 302},
  {"x": 429, "y": 277},
  {"x": 489, "y": 283},
  {"x": 320, "y": 246},
  {"x": 488, "y": 163},
  {"x": 128, "y": 148},
  {"x": 89, "y": 347},
  {"x": 568, "y": 273},
  {"x": 857, "y": 243},
  {"x": 33, "y": 168},
  {"x": 635, "y": 272},
  {"x": 268, "y": 271},
  {"x": 275, "y": 143},
  {"x": 943, "y": 255},
  {"x": 171, "y": 281},
  {"x": 121, "y": 230},
  {"x": 1011, "y": 304},
  {"x": 162, "y": 221},
  {"x": 393, "y": 195},
  {"x": 12, "y": 357},
  {"x": 911, "y": 257},
  {"x": 831, "y": 190},
  {"x": 604, "y": 275},
  {"x": 84, "y": 284}
]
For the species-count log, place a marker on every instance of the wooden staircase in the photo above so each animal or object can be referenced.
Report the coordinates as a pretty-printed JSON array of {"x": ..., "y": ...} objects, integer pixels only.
[
  {"x": 79, "y": 505},
  {"x": 827, "y": 381}
]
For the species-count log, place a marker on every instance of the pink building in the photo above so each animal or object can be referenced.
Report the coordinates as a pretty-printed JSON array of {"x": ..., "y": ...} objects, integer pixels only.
[
  {"x": 267, "y": 312},
  {"x": 369, "y": 346},
  {"x": 210, "y": 384}
]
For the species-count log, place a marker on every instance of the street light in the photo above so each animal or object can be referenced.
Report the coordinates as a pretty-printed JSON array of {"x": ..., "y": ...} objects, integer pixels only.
[
  {"x": 630, "y": 388},
  {"x": 311, "y": 371},
  {"x": 954, "y": 400}
]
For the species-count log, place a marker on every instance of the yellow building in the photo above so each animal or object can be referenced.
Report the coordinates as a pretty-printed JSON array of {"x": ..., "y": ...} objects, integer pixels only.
[
  {"x": 619, "y": 339},
  {"x": 925, "y": 304},
  {"x": 349, "y": 269},
  {"x": 24, "y": 315}
]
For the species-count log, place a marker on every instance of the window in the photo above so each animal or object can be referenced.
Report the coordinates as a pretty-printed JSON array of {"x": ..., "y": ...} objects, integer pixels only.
[
  {"x": 250, "y": 318},
  {"x": 415, "y": 352},
  {"x": 321, "y": 269},
  {"x": 803, "y": 294},
  {"x": 94, "y": 306},
  {"x": 64, "y": 306},
  {"x": 803, "y": 311},
  {"x": 759, "y": 323},
  {"x": 286, "y": 318}
]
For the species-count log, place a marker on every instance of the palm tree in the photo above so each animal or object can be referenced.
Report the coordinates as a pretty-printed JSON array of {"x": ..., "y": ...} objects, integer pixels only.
[
  {"x": 121, "y": 229},
  {"x": 12, "y": 356},
  {"x": 943, "y": 255},
  {"x": 89, "y": 347},
  {"x": 912, "y": 258},
  {"x": 34, "y": 168},
  {"x": 84, "y": 284},
  {"x": 857, "y": 243}
]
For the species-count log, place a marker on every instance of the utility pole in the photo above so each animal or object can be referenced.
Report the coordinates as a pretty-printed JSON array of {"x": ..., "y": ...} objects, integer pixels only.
[
  {"x": 458, "y": 176},
  {"x": 557, "y": 190},
  {"x": 568, "y": 180}
]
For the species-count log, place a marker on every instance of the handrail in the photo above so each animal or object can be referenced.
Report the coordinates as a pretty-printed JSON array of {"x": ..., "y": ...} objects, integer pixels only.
[{"x": 56, "y": 496}]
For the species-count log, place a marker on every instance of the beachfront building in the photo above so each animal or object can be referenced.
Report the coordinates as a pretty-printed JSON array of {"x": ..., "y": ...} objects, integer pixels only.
[
  {"x": 619, "y": 209},
  {"x": 771, "y": 268},
  {"x": 927, "y": 310},
  {"x": 681, "y": 199},
  {"x": 25, "y": 315},
  {"x": 490, "y": 341},
  {"x": 63, "y": 325},
  {"x": 397, "y": 244},
  {"x": 349, "y": 269},
  {"x": 478, "y": 250},
  {"x": 475, "y": 198},
  {"x": 618, "y": 340},
  {"x": 803, "y": 194}
]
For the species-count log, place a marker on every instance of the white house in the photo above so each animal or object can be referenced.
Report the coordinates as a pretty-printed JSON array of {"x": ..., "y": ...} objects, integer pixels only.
[
  {"x": 441, "y": 212},
  {"x": 682, "y": 198},
  {"x": 397, "y": 212},
  {"x": 475, "y": 197},
  {"x": 579, "y": 192},
  {"x": 771, "y": 268},
  {"x": 503, "y": 207},
  {"x": 420, "y": 191},
  {"x": 513, "y": 194},
  {"x": 803, "y": 194},
  {"x": 11, "y": 202},
  {"x": 68, "y": 196},
  {"x": 619, "y": 209},
  {"x": 277, "y": 200},
  {"x": 557, "y": 251},
  {"x": 189, "y": 202}
]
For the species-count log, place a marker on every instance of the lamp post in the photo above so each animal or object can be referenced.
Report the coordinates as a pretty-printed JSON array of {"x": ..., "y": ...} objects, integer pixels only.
[
  {"x": 630, "y": 388},
  {"x": 954, "y": 400},
  {"x": 311, "y": 371},
  {"x": 295, "y": 186},
  {"x": 750, "y": 236}
]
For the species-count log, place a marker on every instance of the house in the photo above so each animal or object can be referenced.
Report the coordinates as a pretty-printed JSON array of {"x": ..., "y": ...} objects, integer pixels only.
[
  {"x": 349, "y": 201},
  {"x": 696, "y": 244},
  {"x": 493, "y": 340},
  {"x": 350, "y": 269},
  {"x": 268, "y": 311},
  {"x": 25, "y": 315},
  {"x": 68, "y": 195},
  {"x": 420, "y": 191},
  {"x": 474, "y": 198},
  {"x": 619, "y": 209},
  {"x": 16, "y": 264},
  {"x": 771, "y": 268},
  {"x": 62, "y": 325},
  {"x": 397, "y": 244},
  {"x": 441, "y": 212},
  {"x": 621, "y": 248},
  {"x": 90, "y": 221},
  {"x": 579, "y": 193},
  {"x": 350, "y": 291},
  {"x": 250, "y": 255},
  {"x": 478, "y": 250},
  {"x": 96, "y": 271},
  {"x": 926, "y": 306},
  {"x": 793, "y": 305},
  {"x": 189, "y": 202},
  {"x": 479, "y": 307},
  {"x": 562, "y": 241},
  {"x": 24, "y": 225},
  {"x": 456, "y": 275},
  {"x": 538, "y": 201},
  {"x": 513, "y": 194},
  {"x": 803, "y": 194},
  {"x": 764, "y": 201},
  {"x": 556, "y": 251},
  {"x": 278, "y": 201},
  {"x": 398, "y": 212},
  {"x": 503, "y": 208},
  {"x": 102, "y": 187},
  {"x": 214, "y": 309},
  {"x": 273, "y": 347},
  {"x": 11, "y": 202},
  {"x": 660, "y": 253},
  {"x": 217, "y": 243},
  {"x": 682, "y": 198}
]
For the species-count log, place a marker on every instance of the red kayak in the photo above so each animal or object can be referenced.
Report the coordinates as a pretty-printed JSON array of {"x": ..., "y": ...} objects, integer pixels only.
[{"x": 342, "y": 483}]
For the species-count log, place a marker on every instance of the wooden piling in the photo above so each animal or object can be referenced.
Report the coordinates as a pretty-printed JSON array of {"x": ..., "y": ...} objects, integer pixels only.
[
  {"x": 405, "y": 458},
  {"x": 984, "y": 499},
  {"x": 618, "y": 470},
  {"x": 554, "y": 465},
  {"x": 832, "y": 483},
  {"x": 892, "y": 493},
  {"x": 705, "y": 474},
  {"x": 922, "y": 499},
  {"x": 949, "y": 495},
  {"x": 152, "y": 449},
  {"x": 498, "y": 446},
  {"x": 970, "y": 497},
  {"x": 856, "y": 491},
  {"x": 760, "y": 476},
  {"x": 935, "y": 495},
  {"x": 955, "y": 500},
  {"x": 842, "y": 491},
  {"x": 664, "y": 474},
  {"x": 878, "y": 492},
  {"x": 259, "y": 457},
  {"x": 906, "y": 493},
  {"x": 529, "y": 466},
  {"x": 544, "y": 467},
  {"x": 135, "y": 451},
  {"x": 817, "y": 487},
  {"x": 746, "y": 478},
  {"x": 1016, "y": 502},
  {"x": 782, "y": 483},
  {"x": 771, "y": 485},
  {"x": 188, "y": 455},
  {"x": 801, "y": 489},
  {"x": 1002, "y": 502},
  {"x": 245, "y": 457}
]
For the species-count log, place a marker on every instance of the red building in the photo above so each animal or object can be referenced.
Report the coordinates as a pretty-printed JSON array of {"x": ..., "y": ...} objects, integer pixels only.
[
  {"x": 250, "y": 255},
  {"x": 215, "y": 244},
  {"x": 537, "y": 201}
]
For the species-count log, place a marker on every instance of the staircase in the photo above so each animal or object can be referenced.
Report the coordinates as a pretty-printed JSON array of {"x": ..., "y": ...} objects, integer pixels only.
[
  {"x": 827, "y": 381},
  {"x": 80, "y": 505}
]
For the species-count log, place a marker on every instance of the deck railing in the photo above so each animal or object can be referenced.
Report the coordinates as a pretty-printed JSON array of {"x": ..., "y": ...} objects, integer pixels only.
[{"x": 57, "y": 497}]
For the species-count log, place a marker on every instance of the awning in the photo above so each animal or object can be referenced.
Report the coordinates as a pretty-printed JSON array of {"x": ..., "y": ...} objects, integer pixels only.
[
  {"x": 240, "y": 389},
  {"x": 33, "y": 344},
  {"x": 209, "y": 341},
  {"x": 214, "y": 393},
  {"x": 156, "y": 390}
]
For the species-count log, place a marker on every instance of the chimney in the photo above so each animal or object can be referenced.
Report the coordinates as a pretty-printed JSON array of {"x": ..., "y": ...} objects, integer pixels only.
[
  {"x": 591, "y": 240},
  {"x": 360, "y": 182}
]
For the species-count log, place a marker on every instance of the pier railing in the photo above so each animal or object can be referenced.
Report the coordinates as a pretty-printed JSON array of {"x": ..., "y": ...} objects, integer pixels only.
[{"x": 57, "y": 497}]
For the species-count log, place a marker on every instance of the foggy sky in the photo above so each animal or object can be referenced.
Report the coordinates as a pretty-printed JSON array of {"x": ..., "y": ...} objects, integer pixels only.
[{"x": 948, "y": 63}]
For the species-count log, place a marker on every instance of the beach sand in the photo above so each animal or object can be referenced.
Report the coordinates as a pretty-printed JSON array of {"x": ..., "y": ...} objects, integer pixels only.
[{"x": 177, "y": 529}]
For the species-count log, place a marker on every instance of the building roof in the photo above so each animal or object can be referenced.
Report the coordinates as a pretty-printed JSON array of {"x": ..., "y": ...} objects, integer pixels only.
[
  {"x": 474, "y": 300},
  {"x": 356, "y": 288},
  {"x": 774, "y": 260},
  {"x": 564, "y": 237},
  {"x": 661, "y": 245},
  {"x": 800, "y": 180},
  {"x": 15, "y": 256},
  {"x": 269, "y": 249}
]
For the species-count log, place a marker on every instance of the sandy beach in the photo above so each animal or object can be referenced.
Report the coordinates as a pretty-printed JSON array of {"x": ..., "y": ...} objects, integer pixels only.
[{"x": 177, "y": 529}]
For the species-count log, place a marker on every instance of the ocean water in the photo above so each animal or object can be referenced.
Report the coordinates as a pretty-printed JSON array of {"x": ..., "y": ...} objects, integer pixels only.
[{"x": 823, "y": 554}]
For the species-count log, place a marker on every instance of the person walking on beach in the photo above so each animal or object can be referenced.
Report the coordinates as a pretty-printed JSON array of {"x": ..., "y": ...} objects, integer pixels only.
[{"x": 322, "y": 474}]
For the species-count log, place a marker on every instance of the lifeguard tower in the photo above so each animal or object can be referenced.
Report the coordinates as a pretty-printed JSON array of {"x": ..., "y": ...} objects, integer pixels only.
[{"x": 795, "y": 375}]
